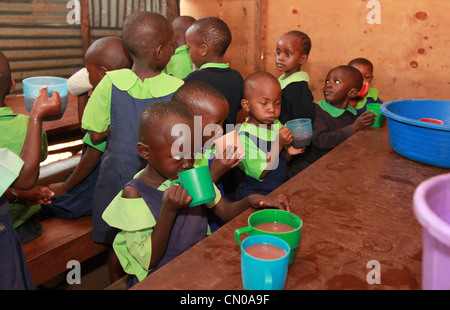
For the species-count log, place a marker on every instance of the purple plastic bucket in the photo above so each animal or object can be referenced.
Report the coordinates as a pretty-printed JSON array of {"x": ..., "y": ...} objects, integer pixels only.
[{"x": 432, "y": 210}]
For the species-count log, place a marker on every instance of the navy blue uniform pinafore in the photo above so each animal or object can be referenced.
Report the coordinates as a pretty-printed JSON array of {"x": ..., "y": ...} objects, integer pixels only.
[
  {"x": 274, "y": 179},
  {"x": 120, "y": 161},
  {"x": 14, "y": 272},
  {"x": 190, "y": 225}
]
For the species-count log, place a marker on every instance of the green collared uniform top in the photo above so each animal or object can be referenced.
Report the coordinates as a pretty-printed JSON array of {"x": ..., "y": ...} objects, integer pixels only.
[
  {"x": 180, "y": 64},
  {"x": 298, "y": 76},
  {"x": 13, "y": 129},
  {"x": 133, "y": 244},
  {"x": 255, "y": 161},
  {"x": 10, "y": 166},
  {"x": 215, "y": 65},
  {"x": 333, "y": 111},
  {"x": 371, "y": 93},
  {"x": 96, "y": 116}
]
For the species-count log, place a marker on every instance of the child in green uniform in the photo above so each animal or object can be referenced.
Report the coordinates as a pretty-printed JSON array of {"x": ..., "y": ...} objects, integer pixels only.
[
  {"x": 366, "y": 68},
  {"x": 25, "y": 204},
  {"x": 73, "y": 197},
  {"x": 180, "y": 65},
  {"x": 155, "y": 220},
  {"x": 336, "y": 119},
  {"x": 208, "y": 39},
  {"x": 113, "y": 111},
  {"x": 292, "y": 52}
]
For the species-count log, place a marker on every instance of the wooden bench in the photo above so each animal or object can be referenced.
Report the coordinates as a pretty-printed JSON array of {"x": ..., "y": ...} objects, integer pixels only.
[{"x": 61, "y": 241}]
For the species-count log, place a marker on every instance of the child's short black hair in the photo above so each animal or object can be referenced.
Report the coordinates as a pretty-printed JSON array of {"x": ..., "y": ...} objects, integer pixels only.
[
  {"x": 305, "y": 40},
  {"x": 213, "y": 32},
  {"x": 355, "y": 77},
  {"x": 143, "y": 31},
  {"x": 249, "y": 82},
  {"x": 361, "y": 61},
  {"x": 192, "y": 94},
  {"x": 5, "y": 77},
  {"x": 157, "y": 112}
]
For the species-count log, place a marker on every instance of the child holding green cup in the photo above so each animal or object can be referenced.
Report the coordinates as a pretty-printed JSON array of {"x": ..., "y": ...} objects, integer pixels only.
[{"x": 153, "y": 216}]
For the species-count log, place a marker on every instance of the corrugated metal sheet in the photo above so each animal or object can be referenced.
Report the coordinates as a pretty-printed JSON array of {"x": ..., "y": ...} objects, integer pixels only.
[{"x": 37, "y": 38}]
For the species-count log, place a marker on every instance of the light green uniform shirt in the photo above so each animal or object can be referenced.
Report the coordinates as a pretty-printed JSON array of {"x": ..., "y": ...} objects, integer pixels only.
[
  {"x": 180, "y": 64},
  {"x": 371, "y": 93},
  {"x": 10, "y": 166},
  {"x": 13, "y": 131},
  {"x": 298, "y": 76},
  {"x": 333, "y": 111},
  {"x": 255, "y": 161},
  {"x": 96, "y": 116},
  {"x": 133, "y": 245}
]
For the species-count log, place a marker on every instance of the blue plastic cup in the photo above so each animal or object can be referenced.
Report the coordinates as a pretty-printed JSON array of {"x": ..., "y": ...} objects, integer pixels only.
[
  {"x": 32, "y": 88},
  {"x": 264, "y": 274},
  {"x": 302, "y": 131}
]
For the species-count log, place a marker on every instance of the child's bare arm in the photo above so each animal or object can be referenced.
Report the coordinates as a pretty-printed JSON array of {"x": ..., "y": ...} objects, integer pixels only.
[
  {"x": 226, "y": 161},
  {"x": 31, "y": 151},
  {"x": 283, "y": 139}
]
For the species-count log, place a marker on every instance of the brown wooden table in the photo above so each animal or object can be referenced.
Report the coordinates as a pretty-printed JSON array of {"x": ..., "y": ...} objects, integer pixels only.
[
  {"x": 65, "y": 129},
  {"x": 356, "y": 206}
]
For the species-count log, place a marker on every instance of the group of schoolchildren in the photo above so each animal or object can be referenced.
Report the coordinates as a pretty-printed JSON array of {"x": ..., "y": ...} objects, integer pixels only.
[{"x": 157, "y": 76}]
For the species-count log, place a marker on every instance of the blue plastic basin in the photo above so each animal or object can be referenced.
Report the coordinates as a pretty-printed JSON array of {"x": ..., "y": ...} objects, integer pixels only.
[{"x": 420, "y": 141}]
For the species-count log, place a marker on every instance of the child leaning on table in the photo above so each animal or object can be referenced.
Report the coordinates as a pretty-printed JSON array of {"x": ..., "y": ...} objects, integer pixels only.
[
  {"x": 208, "y": 104},
  {"x": 155, "y": 220},
  {"x": 21, "y": 172},
  {"x": 336, "y": 119},
  {"x": 25, "y": 204},
  {"x": 73, "y": 197},
  {"x": 292, "y": 52},
  {"x": 263, "y": 137},
  {"x": 366, "y": 68},
  {"x": 208, "y": 39}
]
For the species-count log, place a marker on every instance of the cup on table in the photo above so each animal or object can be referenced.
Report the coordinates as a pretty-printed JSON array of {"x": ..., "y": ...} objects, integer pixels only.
[
  {"x": 264, "y": 263},
  {"x": 273, "y": 222},
  {"x": 198, "y": 184},
  {"x": 375, "y": 107},
  {"x": 230, "y": 139},
  {"x": 302, "y": 132}
]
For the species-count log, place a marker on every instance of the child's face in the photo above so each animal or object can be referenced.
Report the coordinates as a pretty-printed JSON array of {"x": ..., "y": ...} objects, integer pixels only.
[
  {"x": 366, "y": 72},
  {"x": 195, "y": 48},
  {"x": 213, "y": 119},
  {"x": 263, "y": 103},
  {"x": 169, "y": 155},
  {"x": 337, "y": 87},
  {"x": 96, "y": 73},
  {"x": 289, "y": 54}
]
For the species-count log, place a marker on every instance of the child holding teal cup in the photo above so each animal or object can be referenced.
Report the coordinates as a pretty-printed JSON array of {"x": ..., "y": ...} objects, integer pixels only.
[{"x": 152, "y": 214}]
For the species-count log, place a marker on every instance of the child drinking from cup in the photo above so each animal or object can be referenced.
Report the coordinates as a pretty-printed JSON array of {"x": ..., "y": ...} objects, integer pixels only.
[
  {"x": 155, "y": 222},
  {"x": 366, "y": 68},
  {"x": 292, "y": 52},
  {"x": 263, "y": 136},
  {"x": 336, "y": 119}
]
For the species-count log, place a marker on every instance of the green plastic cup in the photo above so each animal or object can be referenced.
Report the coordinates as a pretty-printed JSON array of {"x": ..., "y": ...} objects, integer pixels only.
[
  {"x": 375, "y": 107},
  {"x": 274, "y": 216},
  {"x": 198, "y": 184}
]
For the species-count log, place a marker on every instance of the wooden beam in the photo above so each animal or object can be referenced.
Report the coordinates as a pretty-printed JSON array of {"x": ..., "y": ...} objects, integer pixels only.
[
  {"x": 173, "y": 9},
  {"x": 258, "y": 35},
  {"x": 85, "y": 25}
]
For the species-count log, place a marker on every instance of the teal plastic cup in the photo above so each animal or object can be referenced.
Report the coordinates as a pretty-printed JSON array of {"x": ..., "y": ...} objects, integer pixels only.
[
  {"x": 198, "y": 184},
  {"x": 264, "y": 274},
  {"x": 292, "y": 237},
  {"x": 32, "y": 89}
]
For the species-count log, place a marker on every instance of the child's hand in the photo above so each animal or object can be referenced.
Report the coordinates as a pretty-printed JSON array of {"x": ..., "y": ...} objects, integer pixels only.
[
  {"x": 295, "y": 150},
  {"x": 224, "y": 162},
  {"x": 176, "y": 198},
  {"x": 36, "y": 195},
  {"x": 364, "y": 120},
  {"x": 46, "y": 107},
  {"x": 285, "y": 136},
  {"x": 280, "y": 202},
  {"x": 58, "y": 188}
]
